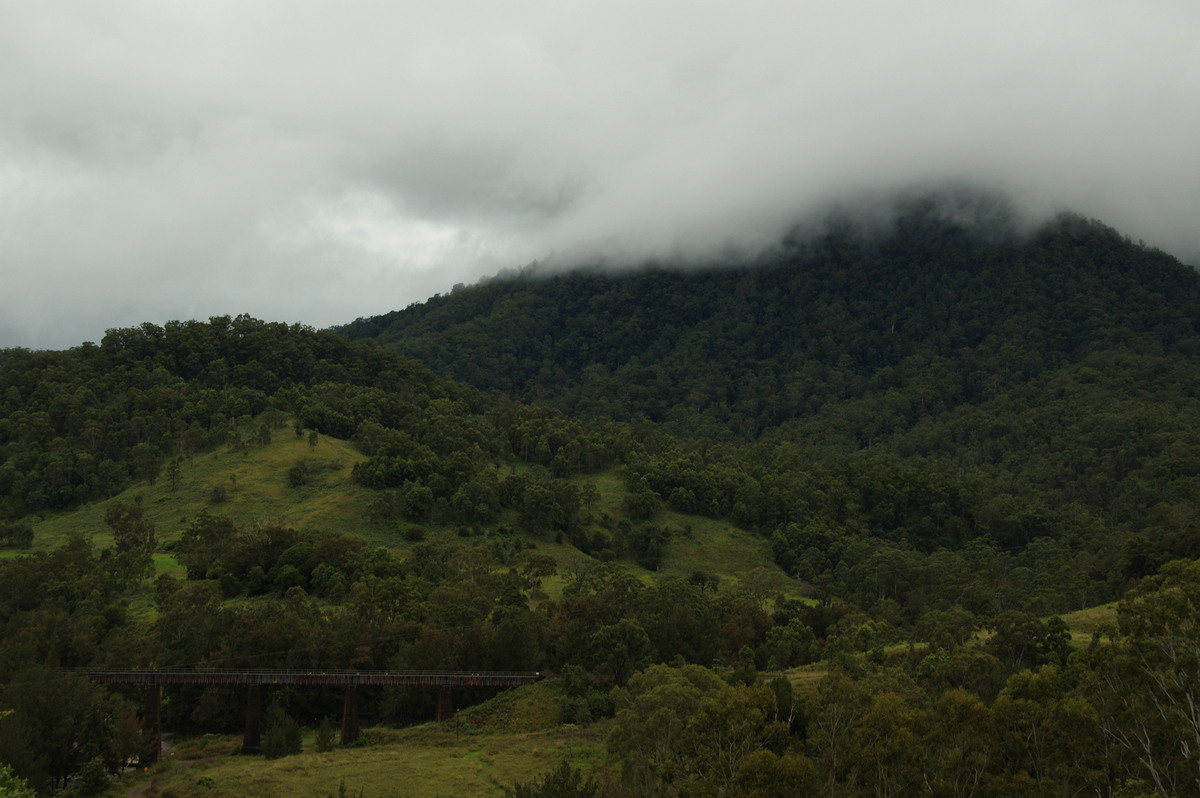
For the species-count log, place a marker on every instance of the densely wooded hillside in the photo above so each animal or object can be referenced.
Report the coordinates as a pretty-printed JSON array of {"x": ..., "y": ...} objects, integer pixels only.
[
  {"x": 876, "y": 466},
  {"x": 1047, "y": 381},
  {"x": 930, "y": 316}
]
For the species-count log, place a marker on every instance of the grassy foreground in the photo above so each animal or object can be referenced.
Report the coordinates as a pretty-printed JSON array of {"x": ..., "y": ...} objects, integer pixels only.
[{"x": 512, "y": 738}]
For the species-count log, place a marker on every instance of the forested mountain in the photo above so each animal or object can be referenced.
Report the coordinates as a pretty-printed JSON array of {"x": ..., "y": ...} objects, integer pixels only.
[
  {"x": 1046, "y": 381},
  {"x": 930, "y": 316},
  {"x": 942, "y": 435}
]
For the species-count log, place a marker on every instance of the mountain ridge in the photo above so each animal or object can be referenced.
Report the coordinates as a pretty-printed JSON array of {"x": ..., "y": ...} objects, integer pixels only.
[{"x": 813, "y": 321}]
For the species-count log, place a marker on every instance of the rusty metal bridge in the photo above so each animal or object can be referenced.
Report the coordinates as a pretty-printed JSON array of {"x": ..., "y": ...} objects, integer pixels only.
[{"x": 443, "y": 681}]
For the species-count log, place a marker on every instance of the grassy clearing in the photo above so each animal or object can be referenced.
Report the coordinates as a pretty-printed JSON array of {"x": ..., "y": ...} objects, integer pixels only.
[
  {"x": 256, "y": 488},
  {"x": 741, "y": 559},
  {"x": 610, "y": 491},
  {"x": 1086, "y": 623},
  {"x": 417, "y": 764},
  {"x": 1093, "y": 619},
  {"x": 569, "y": 559},
  {"x": 512, "y": 738},
  {"x": 167, "y": 564},
  {"x": 805, "y": 678},
  {"x": 142, "y": 609}
]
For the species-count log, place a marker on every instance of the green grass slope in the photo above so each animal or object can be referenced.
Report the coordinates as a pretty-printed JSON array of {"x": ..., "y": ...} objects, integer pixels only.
[
  {"x": 511, "y": 738},
  {"x": 256, "y": 488}
]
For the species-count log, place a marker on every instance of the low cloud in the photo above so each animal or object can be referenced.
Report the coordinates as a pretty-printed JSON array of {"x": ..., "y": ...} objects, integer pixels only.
[{"x": 316, "y": 162}]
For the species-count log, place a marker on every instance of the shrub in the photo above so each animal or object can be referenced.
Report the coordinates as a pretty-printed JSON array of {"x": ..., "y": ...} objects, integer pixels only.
[
  {"x": 16, "y": 535},
  {"x": 230, "y": 585},
  {"x": 324, "y": 739},
  {"x": 299, "y": 474},
  {"x": 562, "y": 782},
  {"x": 94, "y": 778},
  {"x": 282, "y": 736},
  {"x": 572, "y": 709}
]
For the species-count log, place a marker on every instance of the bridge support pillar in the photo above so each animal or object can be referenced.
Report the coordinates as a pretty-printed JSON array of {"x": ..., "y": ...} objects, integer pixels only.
[
  {"x": 445, "y": 703},
  {"x": 152, "y": 726},
  {"x": 252, "y": 739},
  {"x": 350, "y": 715}
]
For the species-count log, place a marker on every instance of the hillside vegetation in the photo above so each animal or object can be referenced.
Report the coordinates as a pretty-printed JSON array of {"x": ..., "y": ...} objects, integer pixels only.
[
  {"x": 883, "y": 468},
  {"x": 937, "y": 386},
  {"x": 894, "y": 327}
]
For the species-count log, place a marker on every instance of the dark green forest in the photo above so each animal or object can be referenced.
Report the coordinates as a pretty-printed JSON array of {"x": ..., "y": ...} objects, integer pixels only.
[
  {"x": 926, "y": 390},
  {"x": 946, "y": 436}
]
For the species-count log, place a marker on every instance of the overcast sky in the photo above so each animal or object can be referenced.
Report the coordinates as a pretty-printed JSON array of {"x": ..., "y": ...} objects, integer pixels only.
[{"x": 321, "y": 161}]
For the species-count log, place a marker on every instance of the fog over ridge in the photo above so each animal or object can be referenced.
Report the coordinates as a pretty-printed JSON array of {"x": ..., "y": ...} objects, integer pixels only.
[{"x": 309, "y": 162}]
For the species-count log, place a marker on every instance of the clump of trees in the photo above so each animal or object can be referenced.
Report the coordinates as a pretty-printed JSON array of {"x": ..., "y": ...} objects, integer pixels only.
[
  {"x": 16, "y": 535},
  {"x": 1112, "y": 718}
]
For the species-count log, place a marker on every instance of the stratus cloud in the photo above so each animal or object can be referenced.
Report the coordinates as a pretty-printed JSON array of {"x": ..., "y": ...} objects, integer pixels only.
[{"x": 311, "y": 161}]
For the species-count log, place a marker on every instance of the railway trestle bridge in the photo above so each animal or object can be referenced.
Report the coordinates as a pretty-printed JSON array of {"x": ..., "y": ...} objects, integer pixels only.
[{"x": 254, "y": 680}]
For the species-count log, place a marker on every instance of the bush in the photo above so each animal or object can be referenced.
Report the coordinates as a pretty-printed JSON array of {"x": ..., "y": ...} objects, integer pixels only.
[
  {"x": 328, "y": 581},
  {"x": 572, "y": 709},
  {"x": 277, "y": 743},
  {"x": 324, "y": 739},
  {"x": 16, "y": 535},
  {"x": 562, "y": 782},
  {"x": 287, "y": 577},
  {"x": 282, "y": 736},
  {"x": 230, "y": 585},
  {"x": 256, "y": 580},
  {"x": 299, "y": 474},
  {"x": 13, "y": 786},
  {"x": 94, "y": 778},
  {"x": 601, "y": 705}
]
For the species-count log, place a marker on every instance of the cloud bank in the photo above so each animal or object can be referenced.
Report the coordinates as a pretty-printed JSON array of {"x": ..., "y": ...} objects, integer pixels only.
[{"x": 316, "y": 162}]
